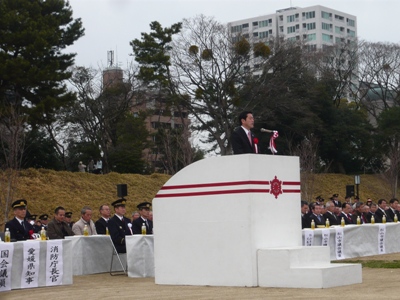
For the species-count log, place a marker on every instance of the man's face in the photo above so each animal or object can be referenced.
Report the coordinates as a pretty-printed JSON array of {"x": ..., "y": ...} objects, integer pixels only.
[
  {"x": 105, "y": 211},
  {"x": 373, "y": 208},
  {"x": 317, "y": 209},
  {"x": 144, "y": 212},
  {"x": 249, "y": 122},
  {"x": 347, "y": 209},
  {"x": 20, "y": 212},
  {"x": 135, "y": 216},
  {"x": 120, "y": 210},
  {"x": 331, "y": 207},
  {"x": 304, "y": 209},
  {"x": 383, "y": 205},
  {"x": 60, "y": 215},
  {"x": 394, "y": 205},
  {"x": 44, "y": 222},
  {"x": 87, "y": 216},
  {"x": 67, "y": 219},
  {"x": 150, "y": 215}
]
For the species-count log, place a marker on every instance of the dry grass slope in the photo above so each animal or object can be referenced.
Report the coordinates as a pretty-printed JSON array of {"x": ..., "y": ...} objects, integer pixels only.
[{"x": 47, "y": 189}]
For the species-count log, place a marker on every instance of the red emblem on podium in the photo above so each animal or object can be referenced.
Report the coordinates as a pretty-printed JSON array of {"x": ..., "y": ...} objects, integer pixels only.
[{"x": 276, "y": 187}]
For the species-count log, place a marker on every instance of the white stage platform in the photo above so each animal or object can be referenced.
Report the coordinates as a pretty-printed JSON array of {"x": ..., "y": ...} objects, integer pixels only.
[{"x": 222, "y": 220}]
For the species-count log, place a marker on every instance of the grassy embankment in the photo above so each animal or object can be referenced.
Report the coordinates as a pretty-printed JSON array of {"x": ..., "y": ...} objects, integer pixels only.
[{"x": 46, "y": 189}]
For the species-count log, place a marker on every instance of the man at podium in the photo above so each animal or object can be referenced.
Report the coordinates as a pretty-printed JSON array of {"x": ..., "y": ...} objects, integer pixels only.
[{"x": 242, "y": 139}]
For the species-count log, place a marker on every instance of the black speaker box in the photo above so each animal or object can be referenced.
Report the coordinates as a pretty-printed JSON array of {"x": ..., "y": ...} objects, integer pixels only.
[
  {"x": 122, "y": 190},
  {"x": 350, "y": 190}
]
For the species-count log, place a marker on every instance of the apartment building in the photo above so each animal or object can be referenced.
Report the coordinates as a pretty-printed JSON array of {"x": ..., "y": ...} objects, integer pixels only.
[{"x": 316, "y": 25}]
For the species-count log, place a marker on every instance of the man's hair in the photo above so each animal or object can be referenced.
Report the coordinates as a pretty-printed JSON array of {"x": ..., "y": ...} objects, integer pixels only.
[
  {"x": 344, "y": 205},
  {"x": 329, "y": 204},
  {"x": 313, "y": 205},
  {"x": 303, "y": 203},
  {"x": 393, "y": 200},
  {"x": 84, "y": 209},
  {"x": 243, "y": 115},
  {"x": 101, "y": 206},
  {"x": 380, "y": 201},
  {"x": 373, "y": 204},
  {"x": 359, "y": 204},
  {"x": 58, "y": 208}
]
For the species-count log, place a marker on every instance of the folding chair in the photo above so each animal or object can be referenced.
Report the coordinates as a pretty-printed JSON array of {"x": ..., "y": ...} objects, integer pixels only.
[{"x": 124, "y": 268}]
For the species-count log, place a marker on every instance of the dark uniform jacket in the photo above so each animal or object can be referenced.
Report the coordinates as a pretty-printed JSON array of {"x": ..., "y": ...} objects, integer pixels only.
[
  {"x": 240, "y": 142},
  {"x": 137, "y": 226},
  {"x": 101, "y": 225},
  {"x": 17, "y": 231},
  {"x": 58, "y": 230},
  {"x": 118, "y": 230}
]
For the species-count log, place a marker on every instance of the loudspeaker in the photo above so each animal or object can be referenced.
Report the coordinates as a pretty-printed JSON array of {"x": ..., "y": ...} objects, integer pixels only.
[
  {"x": 122, "y": 190},
  {"x": 350, "y": 190}
]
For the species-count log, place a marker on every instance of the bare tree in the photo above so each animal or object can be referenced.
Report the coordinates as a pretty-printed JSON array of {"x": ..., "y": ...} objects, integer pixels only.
[
  {"x": 12, "y": 138},
  {"x": 101, "y": 103},
  {"x": 210, "y": 65}
]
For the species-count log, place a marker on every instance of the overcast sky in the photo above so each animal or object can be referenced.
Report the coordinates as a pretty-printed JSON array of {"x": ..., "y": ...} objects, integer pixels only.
[{"x": 112, "y": 24}]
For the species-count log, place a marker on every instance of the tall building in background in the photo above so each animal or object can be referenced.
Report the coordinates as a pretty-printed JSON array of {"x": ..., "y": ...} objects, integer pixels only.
[{"x": 319, "y": 26}]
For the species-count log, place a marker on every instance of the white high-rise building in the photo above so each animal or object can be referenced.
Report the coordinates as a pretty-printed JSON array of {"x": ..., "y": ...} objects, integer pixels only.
[{"x": 317, "y": 25}]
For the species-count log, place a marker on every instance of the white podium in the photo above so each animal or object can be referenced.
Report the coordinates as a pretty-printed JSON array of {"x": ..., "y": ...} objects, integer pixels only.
[{"x": 217, "y": 219}]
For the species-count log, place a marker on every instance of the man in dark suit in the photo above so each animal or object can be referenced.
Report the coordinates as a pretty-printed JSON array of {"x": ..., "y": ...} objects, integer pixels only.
[
  {"x": 102, "y": 223},
  {"x": 304, "y": 214},
  {"x": 242, "y": 138},
  {"x": 392, "y": 211},
  {"x": 144, "y": 211},
  {"x": 381, "y": 211},
  {"x": 345, "y": 214},
  {"x": 118, "y": 225},
  {"x": 315, "y": 215},
  {"x": 19, "y": 228},
  {"x": 330, "y": 214},
  {"x": 373, "y": 207}
]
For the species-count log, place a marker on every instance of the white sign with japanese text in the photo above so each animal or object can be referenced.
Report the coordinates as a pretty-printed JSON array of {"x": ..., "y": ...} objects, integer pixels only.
[
  {"x": 6, "y": 256},
  {"x": 54, "y": 262},
  {"x": 308, "y": 237},
  {"x": 30, "y": 264},
  {"x": 339, "y": 237},
  {"x": 325, "y": 237},
  {"x": 381, "y": 239}
]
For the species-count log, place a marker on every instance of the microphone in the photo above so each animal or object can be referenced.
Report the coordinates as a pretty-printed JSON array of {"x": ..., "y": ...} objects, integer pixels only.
[{"x": 266, "y": 130}]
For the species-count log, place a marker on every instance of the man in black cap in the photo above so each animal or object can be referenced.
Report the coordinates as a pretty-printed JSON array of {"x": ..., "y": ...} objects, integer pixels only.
[
  {"x": 19, "y": 227},
  {"x": 119, "y": 226},
  {"x": 144, "y": 211},
  {"x": 44, "y": 219},
  {"x": 32, "y": 220},
  {"x": 67, "y": 219},
  {"x": 335, "y": 200}
]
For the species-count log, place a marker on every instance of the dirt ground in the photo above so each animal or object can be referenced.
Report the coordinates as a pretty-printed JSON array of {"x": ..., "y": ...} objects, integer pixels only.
[{"x": 376, "y": 283}]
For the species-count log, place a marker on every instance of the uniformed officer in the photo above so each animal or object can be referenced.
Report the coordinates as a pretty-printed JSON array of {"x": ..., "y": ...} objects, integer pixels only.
[
  {"x": 67, "y": 218},
  {"x": 144, "y": 211},
  {"x": 44, "y": 219},
  {"x": 20, "y": 229},
  {"x": 119, "y": 226}
]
